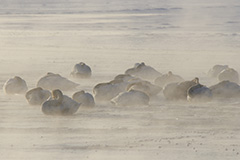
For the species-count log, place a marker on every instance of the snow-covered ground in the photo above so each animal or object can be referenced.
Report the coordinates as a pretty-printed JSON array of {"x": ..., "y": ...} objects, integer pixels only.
[{"x": 187, "y": 37}]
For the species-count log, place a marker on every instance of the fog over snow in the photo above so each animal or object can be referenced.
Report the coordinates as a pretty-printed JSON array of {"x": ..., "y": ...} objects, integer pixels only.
[{"x": 187, "y": 37}]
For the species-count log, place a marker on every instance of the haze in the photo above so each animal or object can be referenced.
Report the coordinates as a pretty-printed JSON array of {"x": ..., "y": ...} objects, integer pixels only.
[{"x": 186, "y": 37}]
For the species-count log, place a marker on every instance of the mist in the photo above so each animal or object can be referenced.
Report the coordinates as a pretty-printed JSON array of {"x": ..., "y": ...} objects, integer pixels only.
[{"x": 186, "y": 37}]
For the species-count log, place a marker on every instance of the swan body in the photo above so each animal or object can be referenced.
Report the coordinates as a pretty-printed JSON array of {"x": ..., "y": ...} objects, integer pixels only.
[
  {"x": 146, "y": 87},
  {"x": 86, "y": 99},
  {"x": 37, "y": 96},
  {"x": 215, "y": 70},
  {"x": 199, "y": 93},
  {"x": 60, "y": 104},
  {"x": 143, "y": 71},
  {"x": 225, "y": 89},
  {"x": 15, "y": 85},
  {"x": 53, "y": 81},
  {"x": 131, "y": 98},
  {"x": 106, "y": 91},
  {"x": 124, "y": 77},
  {"x": 178, "y": 91},
  {"x": 229, "y": 74},
  {"x": 167, "y": 78},
  {"x": 81, "y": 70}
]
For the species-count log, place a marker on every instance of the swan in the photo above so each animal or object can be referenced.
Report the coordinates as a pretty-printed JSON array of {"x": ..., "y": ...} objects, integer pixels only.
[
  {"x": 199, "y": 92},
  {"x": 124, "y": 77},
  {"x": 131, "y": 98},
  {"x": 146, "y": 87},
  {"x": 143, "y": 71},
  {"x": 60, "y": 104},
  {"x": 229, "y": 74},
  {"x": 86, "y": 99},
  {"x": 37, "y": 96},
  {"x": 53, "y": 81},
  {"x": 178, "y": 91},
  {"x": 106, "y": 91},
  {"x": 15, "y": 85},
  {"x": 81, "y": 70},
  {"x": 225, "y": 89},
  {"x": 215, "y": 70},
  {"x": 167, "y": 78}
]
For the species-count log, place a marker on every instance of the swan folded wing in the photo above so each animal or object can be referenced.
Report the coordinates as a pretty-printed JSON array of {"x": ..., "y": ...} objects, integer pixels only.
[
  {"x": 55, "y": 81},
  {"x": 69, "y": 105},
  {"x": 52, "y": 107}
]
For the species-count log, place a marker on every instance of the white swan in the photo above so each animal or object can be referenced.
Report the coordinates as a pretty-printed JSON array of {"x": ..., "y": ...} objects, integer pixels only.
[
  {"x": 106, "y": 91},
  {"x": 81, "y": 70},
  {"x": 146, "y": 87},
  {"x": 54, "y": 81},
  {"x": 131, "y": 98},
  {"x": 60, "y": 104},
  {"x": 215, "y": 70},
  {"x": 143, "y": 71},
  {"x": 167, "y": 78},
  {"x": 225, "y": 90},
  {"x": 37, "y": 96},
  {"x": 178, "y": 91},
  {"x": 15, "y": 85},
  {"x": 229, "y": 74},
  {"x": 199, "y": 92},
  {"x": 86, "y": 99},
  {"x": 124, "y": 77}
]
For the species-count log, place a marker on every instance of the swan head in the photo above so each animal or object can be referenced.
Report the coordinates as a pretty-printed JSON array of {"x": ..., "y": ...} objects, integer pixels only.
[
  {"x": 170, "y": 73},
  {"x": 57, "y": 95},
  {"x": 196, "y": 80},
  {"x": 18, "y": 79},
  {"x": 82, "y": 63},
  {"x": 140, "y": 65}
]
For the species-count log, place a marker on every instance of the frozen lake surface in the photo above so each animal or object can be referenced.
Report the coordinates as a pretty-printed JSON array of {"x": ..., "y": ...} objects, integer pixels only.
[{"x": 187, "y": 37}]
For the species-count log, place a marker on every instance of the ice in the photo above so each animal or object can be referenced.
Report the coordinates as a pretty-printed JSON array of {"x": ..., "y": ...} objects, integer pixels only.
[{"x": 186, "y": 37}]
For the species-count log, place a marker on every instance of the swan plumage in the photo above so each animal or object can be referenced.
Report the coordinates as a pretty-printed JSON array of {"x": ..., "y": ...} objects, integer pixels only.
[
  {"x": 81, "y": 70},
  {"x": 216, "y": 69},
  {"x": 146, "y": 87},
  {"x": 143, "y": 71},
  {"x": 15, "y": 85},
  {"x": 131, "y": 98},
  {"x": 178, "y": 91},
  {"x": 60, "y": 104},
  {"x": 225, "y": 89},
  {"x": 106, "y": 91},
  {"x": 53, "y": 81},
  {"x": 86, "y": 99},
  {"x": 37, "y": 96},
  {"x": 199, "y": 92},
  {"x": 167, "y": 78},
  {"x": 229, "y": 74}
]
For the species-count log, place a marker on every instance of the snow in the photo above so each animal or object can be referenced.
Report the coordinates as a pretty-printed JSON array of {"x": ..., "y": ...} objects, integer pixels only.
[{"x": 186, "y": 37}]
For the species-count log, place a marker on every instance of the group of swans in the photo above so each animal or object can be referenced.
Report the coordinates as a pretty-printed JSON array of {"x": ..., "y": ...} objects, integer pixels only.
[{"x": 133, "y": 88}]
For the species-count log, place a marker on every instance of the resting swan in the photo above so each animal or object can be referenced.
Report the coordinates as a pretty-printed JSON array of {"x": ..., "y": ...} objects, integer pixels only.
[
  {"x": 225, "y": 90},
  {"x": 199, "y": 92},
  {"x": 215, "y": 70},
  {"x": 37, "y": 96},
  {"x": 81, "y": 70},
  {"x": 53, "y": 81},
  {"x": 167, "y": 78},
  {"x": 146, "y": 87},
  {"x": 178, "y": 91},
  {"x": 86, "y": 99},
  {"x": 60, "y": 104},
  {"x": 143, "y": 71},
  {"x": 107, "y": 91},
  {"x": 15, "y": 85},
  {"x": 229, "y": 74},
  {"x": 131, "y": 98}
]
